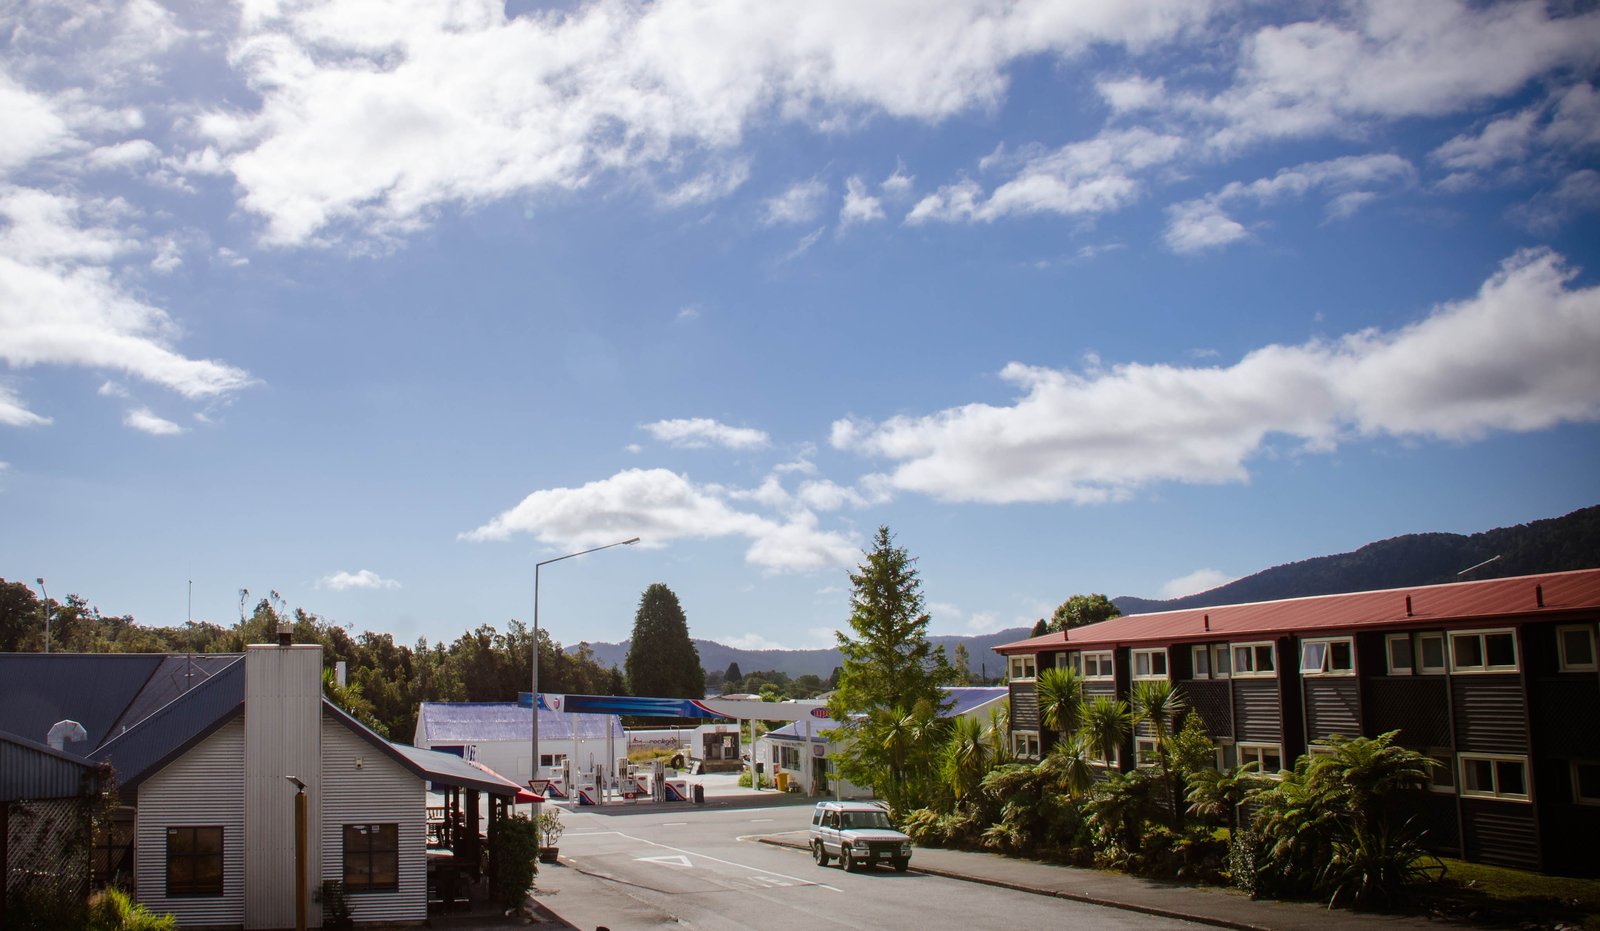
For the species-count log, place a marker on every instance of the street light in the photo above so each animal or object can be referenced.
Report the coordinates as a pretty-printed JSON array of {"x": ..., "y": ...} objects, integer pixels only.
[
  {"x": 44, "y": 608},
  {"x": 534, "y": 761}
]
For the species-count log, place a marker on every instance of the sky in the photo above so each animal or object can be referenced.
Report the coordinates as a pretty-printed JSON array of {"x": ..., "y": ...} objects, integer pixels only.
[{"x": 377, "y": 304}]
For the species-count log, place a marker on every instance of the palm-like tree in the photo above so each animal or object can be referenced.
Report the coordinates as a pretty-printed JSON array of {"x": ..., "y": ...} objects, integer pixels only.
[
  {"x": 1106, "y": 722},
  {"x": 1218, "y": 794},
  {"x": 1160, "y": 704},
  {"x": 968, "y": 756},
  {"x": 1072, "y": 761},
  {"x": 998, "y": 732},
  {"x": 1060, "y": 699}
]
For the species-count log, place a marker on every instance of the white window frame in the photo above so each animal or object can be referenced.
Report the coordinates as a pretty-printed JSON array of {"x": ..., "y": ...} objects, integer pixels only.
[
  {"x": 1483, "y": 649},
  {"x": 1561, "y": 647},
  {"x": 1463, "y": 759},
  {"x": 1251, "y": 648},
  {"x": 1576, "y": 797},
  {"x": 1152, "y": 655},
  {"x": 1245, "y": 752},
  {"x": 1447, "y": 765},
  {"x": 1200, "y": 656},
  {"x": 1388, "y": 654},
  {"x": 1114, "y": 763},
  {"x": 1145, "y": 751},
  {"x": 1104, "y": 662},
  {"x": 1025, "y": 744},
  {"x": 1221, "y": 661},
  {"x": 1325, "y": 667},
  {"x": 1023, "y": 667},
  {"x": 1419, "y": 663}
]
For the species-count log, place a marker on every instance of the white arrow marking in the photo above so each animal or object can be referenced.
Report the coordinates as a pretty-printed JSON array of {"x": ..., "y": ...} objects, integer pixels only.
[{"x": 667, "y": 861}]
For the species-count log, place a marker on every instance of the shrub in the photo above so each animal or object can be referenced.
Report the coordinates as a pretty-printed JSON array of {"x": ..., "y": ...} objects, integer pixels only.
[
  {"x": 516, "y": 852},
  {"x": 336, "y": 911},
  {"x": 112, "y": 910}
]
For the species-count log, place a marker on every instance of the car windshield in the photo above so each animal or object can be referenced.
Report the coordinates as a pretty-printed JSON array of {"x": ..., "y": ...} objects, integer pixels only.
[{"x": 850, "y": 820}]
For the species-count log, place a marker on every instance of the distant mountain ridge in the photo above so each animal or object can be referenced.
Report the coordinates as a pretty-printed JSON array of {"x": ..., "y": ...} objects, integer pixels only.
[{"x": 1554, "y": 545}]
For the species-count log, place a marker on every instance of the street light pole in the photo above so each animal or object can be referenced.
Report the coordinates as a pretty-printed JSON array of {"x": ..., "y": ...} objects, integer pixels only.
[
  {"x": 44, "y": 608},
  {"x": 534, "y": 760}
]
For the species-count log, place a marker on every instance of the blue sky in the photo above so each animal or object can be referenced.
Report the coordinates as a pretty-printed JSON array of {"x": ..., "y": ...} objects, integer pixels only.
[{"x": 378, "y": 304}]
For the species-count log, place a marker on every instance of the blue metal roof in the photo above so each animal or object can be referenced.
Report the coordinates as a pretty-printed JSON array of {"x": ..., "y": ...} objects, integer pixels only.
[
  {"x": 965, "y": 700},
  {"x": 181, "y": 723},
  {"x": 477, "y": 722},
  {"x": 94, "y": 689}
]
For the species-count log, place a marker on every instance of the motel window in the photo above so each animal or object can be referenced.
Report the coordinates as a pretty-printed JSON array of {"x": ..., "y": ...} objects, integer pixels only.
[
  {"x": 1253, "y": 660},
  {"x": 1430, "y": 653},
  {"x": 1022, "y": 667},
  {"x": 1268, "y": 756},
  {"x": 1586, "y": 782},
  {"x": 1097, "y": 665},
  {"x": 371, "y": 857},
  {"x": 1328, "y": 657},
  {"x": 1210, "y": 660},
  {"x": 1483, "y": 651},
  {"x": 1025, "y": 744},
  {"x": 194, "y": 861},
  {"x": 1442, "y": 776},
  {"x": 1150, "y": 664},
  {"x": 1202, "y": 662},
  {"x": 1145, "y": 751},
  {"x": 1398, "y": 647},
  {"x": 1577, "y": 648},
  {"x": 1488, "y": 775}
]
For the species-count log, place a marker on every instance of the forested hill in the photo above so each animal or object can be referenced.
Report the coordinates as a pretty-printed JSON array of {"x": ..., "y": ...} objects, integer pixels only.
[{"x": 1554, "y": 545}]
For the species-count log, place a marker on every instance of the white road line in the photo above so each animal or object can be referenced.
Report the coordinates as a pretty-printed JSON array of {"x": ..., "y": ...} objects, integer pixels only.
[
  {"x": 673, "y": 824},
  {"x": 759, "y": 820},
  {"x": 706, "y": 856}
]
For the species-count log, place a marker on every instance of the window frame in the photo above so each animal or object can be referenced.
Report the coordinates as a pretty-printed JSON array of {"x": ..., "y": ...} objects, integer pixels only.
[
  {"x": 1252, "y": 646},
  {"x": 1018, "y": 662},
  {"x": 1462, "y": 759},
  {"x": 1561, "y": 648},
  {"x": 370, "y": 853},
  {"x": 1152, "y": 653},
  {"x": 1446, "y": 760},
  {"x": 1020, "y": 741},
  {"x": 1326, "y": 669},
  {"x": 192, "y": 888},
  {"x": 1146, "y": 751},
  {"x": 1200, "y": 656},
  {"x": 1482, "y": 636},
  {"x": 1104, "y": 659},
  {"x": 1419, "y": 664},
  {"x": 1578, "y": 798},
  {"x": 1410, "y": 668},
  {"x": 1256, "y": 750}
]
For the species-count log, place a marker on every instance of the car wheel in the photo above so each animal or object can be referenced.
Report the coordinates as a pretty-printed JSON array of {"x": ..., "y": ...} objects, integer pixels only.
[
  {"x": 820, "y": 853},
  {"x": 901, "y": 864},
  {"x": 847, "y": 861}
]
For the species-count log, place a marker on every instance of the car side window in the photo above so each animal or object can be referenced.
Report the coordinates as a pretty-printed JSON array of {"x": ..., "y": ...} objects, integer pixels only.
[{"x": 830, "y": 820}]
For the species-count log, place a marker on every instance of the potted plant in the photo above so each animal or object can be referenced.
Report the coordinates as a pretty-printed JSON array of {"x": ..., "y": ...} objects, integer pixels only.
[{"x": 550, "y": 829}]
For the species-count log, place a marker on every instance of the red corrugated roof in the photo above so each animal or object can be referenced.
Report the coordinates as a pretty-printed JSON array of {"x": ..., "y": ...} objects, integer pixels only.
[{"x": 1507, "y": 600}]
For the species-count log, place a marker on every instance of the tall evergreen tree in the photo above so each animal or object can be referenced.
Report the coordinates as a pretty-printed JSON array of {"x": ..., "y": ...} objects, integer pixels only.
[
  {"x": 662, "y": 660},
  {"x": 732, "y": 675},
  {"x": 890, "y": 683}
]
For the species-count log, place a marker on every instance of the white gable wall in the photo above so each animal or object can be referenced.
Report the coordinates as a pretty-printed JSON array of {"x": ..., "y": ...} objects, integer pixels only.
[
  {"x": 363, "y": 785},
  {"x": 202, "y": 788}
]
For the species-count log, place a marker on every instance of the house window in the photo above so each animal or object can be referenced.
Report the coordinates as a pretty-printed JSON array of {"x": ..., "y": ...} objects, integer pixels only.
[
  {"x": 1269, "y": 756},
  {"x": 1210, "y": 661},
  {"x": 552, "y": 759},
  {"x": 1149, "y": 664},
  {"x": 1022, "y": 667},
  {"x": 1586, "y": 783},
  {"x": 1097, "y": 665},
  {"x": 1483, "y": 651},
  {"x": 1577, "y": 648},
  {"x": 1253, "y": 660},
  {"x": 1202, "y": 662},
  {"x": 371, "y": 857},
  {"x": 1025, "y": 744},
  {"x": 1442, "y": 777},
  {"x": 194, "y": 861},
  {"x": 1429, "y": 653},
  {"x": 1494, "y": 776},
  {"x": 1398, "y": 647},
  {"x": 1145, "y": 751},
  {"x": 1328, "y": 657},
  {"x": 1114, "y": 763}
]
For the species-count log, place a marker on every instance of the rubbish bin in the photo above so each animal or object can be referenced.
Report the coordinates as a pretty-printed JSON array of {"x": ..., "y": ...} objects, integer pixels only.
[
  {"x": 782, "y": 780},
  {"x": 699, "y": 794}
]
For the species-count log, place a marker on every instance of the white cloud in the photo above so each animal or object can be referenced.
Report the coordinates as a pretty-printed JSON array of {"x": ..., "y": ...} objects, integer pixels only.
[
  {"x": 701, "y": 432},
  {"x": 146, "y": 421},
  {"x": 33, "y": 126},
  {"x": 1200, "y": 580},
  {"x": 799, "y": 204},
  {"x": 661, "y": 506},
  {"x": 1096, "y": 176},
  {"x": 1517, "y": 356},
  {"x": 859, "y": 206},
  {"x": 14, "y": 414},
  {"x": 687, "y": 313},
  {"x": 132, "y": 153},
  {"x": 1566, "y": 123},
  {"x": 805, "y": 244},
  {"x": 1196, "y": 225},
  {"x": 342, "y": 581},
  {"x": 1578, "y": 193}
]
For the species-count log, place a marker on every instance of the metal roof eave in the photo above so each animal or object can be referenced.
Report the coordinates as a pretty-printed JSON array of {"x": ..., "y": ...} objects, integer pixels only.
[{"x": 410, "y": 758}]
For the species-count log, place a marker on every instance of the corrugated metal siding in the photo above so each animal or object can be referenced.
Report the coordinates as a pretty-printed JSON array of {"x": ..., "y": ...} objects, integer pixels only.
[
  {"x": 381, "y": 791},
  {"x": 1212, "y": 700},
  {"x": 1566, "y": 716},
  {"x": 201, "y": 788},
  {"x": 30, "y": 772},
  {"x": 1256, "y": 712},
  {"x": 1024, "y": 707},
  {"x": 1333, "y": 706},
  {"x": 1093, "y": 689},
  {"x": 1416, "y": 706},
  {"x": 1500, "y": 833},
  {"x": 1489, "y": 712},
  {"x": 283, "y": 723}
]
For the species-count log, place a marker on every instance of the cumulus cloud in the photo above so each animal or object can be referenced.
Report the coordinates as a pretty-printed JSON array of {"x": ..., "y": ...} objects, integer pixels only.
[
  {"x": 1204, "y": 223},
  {"x": 1091, "y": 177},
  {"x": 343, "y": 581},
  {"x": 1517, "y": 356},
  {"x": 1200, "y": 580},
  {"x": 859, "y": 205},
  {"x": 799, "y": 204},
  {"x": 146, "y": 421},
  {"x": 660, "y": 506},
  {"x": 701, "y": 432}
]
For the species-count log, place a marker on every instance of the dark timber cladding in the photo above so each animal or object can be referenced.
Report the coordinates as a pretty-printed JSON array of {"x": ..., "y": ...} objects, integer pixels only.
[{"x": 1498, "y": 681}]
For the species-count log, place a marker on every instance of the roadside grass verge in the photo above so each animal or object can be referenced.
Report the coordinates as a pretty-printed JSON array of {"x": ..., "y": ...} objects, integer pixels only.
[{"x": 1481, "y": 893}]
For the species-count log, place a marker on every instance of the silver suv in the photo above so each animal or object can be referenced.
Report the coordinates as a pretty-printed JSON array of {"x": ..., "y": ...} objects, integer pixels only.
[{"x": 859, "y": 834}]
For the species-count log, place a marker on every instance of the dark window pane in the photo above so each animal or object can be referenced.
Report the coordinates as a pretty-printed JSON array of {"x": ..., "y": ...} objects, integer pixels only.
[
  {"x": 1263, "y": 660},
  {"x": 1433, "y": 652},
  {"x": 1339, "y": 657},
  {"x": 1512, "y": 781},
  {"x": 1578, "y": 647},
  {"x": 1502, "y": 649},
  {"x": 1468, "y": 651},
  {"x": 1479, "y": 775},
  {"x": 1588, "y": 777},
  {"x": 1400, "y": 654}
]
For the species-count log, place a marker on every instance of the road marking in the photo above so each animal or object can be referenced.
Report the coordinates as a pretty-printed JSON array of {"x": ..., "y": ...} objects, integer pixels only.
[
  {"x": 673, "y": 824},
  {"x": 671, "y": 860},
  {"x": 705, "y": 856},
  {"x": 759, "y": 820}
]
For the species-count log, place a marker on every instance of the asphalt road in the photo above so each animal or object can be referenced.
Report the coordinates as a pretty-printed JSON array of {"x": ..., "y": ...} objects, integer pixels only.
[{"x": 702, "y": 868}]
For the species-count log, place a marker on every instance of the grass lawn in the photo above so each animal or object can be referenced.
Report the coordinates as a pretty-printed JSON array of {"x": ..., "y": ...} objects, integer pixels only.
[{"x": 1499, "y": 895}]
